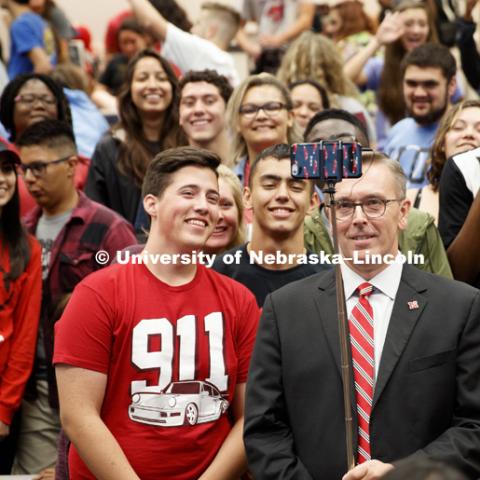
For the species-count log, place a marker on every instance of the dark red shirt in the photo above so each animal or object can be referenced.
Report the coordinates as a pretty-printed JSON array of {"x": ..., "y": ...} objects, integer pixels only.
[{"x": 91, "y": 227}]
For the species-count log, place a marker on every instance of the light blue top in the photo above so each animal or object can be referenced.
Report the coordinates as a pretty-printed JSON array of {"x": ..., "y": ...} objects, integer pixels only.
[
  {"x": 410, "y": 143},
  {"x": 89, "y": 124}
]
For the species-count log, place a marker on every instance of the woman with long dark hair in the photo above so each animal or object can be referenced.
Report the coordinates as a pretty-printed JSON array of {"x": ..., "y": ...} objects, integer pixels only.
[
  {"x": 148, "y": 124},
  {"x": 20, "y": 287}
]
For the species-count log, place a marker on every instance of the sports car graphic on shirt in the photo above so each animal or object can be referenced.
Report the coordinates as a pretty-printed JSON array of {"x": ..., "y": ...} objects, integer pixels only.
[{"x": 181, "y": 403}]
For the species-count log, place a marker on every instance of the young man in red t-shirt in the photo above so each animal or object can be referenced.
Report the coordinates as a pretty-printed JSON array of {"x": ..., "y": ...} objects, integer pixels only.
[{"x": 152, "y": 358}]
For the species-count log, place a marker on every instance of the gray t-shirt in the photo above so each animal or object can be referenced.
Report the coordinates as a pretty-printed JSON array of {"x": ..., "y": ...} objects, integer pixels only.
[{"x": 47, "y": 232}]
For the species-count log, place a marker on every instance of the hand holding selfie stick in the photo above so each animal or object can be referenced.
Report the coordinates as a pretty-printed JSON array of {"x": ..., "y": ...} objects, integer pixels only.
[{"x": 344, "y": 336}]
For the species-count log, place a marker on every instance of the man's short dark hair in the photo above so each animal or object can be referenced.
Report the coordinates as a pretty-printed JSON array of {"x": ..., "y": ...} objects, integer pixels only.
[
  {"x": 431, "y": 55},
  {"x": 209, "y": 76},
  {"x": 280, "y": 151},
  {"x": 337, "y": 114},
  {"x": 165, "y": 164},
  {"x": 48, "y": 133}
]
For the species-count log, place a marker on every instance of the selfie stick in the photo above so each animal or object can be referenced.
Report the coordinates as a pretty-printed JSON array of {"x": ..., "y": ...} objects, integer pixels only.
[{"x": 344, "y": 335}]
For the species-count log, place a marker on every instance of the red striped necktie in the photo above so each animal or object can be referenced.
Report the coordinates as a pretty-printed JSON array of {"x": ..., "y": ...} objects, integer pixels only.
[{"x": 363, "y": 358}]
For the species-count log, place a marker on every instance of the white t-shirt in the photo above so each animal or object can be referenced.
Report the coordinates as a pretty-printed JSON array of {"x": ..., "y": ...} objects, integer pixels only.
[
  {"x": 468, "y": 163},
  {"x": 189, "y": 52}
]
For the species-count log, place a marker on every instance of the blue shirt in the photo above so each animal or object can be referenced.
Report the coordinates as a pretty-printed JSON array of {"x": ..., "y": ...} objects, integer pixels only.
[
  {"x": 89, "y": 124},
  {"x": 410, "y": 143},
  {"x": 27, "y": 32}
]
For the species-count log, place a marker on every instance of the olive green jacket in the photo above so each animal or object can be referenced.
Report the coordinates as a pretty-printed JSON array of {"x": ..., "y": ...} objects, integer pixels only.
[{"x": 421, "y": 237}]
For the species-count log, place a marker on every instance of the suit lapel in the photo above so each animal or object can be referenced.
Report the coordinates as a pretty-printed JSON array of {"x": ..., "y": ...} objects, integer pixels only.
[{"x": 407, "y": 309}]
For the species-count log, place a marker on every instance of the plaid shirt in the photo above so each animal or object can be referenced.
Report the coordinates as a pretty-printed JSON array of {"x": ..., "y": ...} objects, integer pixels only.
[{"x": 91, "y": 227}]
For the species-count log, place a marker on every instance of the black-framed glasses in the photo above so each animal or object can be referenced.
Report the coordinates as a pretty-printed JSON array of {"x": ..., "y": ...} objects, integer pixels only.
[
  {"x": 272, "y": 109},
  {"x": 30, "y": 99},
  {"x": 38, "y": 168},
  {"x": 372, "y": 207}
]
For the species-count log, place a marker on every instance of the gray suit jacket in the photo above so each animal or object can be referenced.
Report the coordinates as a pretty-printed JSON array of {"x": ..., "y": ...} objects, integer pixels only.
[{"x": 427, "y": 394}]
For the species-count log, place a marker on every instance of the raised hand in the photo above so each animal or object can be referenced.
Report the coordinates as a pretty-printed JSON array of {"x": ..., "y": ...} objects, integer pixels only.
[{"x": 390, "y": 29}]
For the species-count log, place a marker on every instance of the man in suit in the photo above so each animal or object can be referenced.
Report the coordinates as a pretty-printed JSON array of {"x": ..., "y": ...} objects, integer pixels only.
[{"x": 416, "y": 363}]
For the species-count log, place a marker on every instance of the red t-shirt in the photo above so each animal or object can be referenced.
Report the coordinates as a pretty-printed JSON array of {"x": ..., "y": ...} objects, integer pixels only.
[{"x": 195, "y": 339}]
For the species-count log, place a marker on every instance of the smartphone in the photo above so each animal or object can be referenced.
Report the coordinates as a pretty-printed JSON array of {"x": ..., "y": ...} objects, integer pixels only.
[
  {"x": 352, "y": 160},
  {"x": 305, "y": 159},
  {"x": 332, "y": 155},
  {"x": 76, "y": 51},
  {"x": 326, "y": 161}
]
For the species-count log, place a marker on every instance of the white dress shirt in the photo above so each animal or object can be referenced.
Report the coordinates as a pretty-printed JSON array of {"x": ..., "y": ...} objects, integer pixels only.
[{"x": 386, "y": 285}]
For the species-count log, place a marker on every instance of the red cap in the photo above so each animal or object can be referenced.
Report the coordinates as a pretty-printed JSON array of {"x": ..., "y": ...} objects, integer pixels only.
[{"x": 9, "y": 154}]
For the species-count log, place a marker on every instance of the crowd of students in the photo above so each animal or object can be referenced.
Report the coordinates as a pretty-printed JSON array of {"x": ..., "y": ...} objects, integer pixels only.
[{"x": 140, "y": 369}]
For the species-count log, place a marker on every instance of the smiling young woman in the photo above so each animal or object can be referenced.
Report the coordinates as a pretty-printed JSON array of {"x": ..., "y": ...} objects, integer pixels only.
[
  {"x": 148, "y": 124},
  {"x": 458, "y": 132},
  {"x": 230, "y": 229}
]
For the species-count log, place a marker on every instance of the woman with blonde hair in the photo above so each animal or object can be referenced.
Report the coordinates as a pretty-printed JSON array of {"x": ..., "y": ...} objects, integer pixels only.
[
  {"x": 458, "y": 132},
  {"x": 230, "y": 229},
  {"x": 259, "y": 115},
  {"x": 313, "y": 56}
]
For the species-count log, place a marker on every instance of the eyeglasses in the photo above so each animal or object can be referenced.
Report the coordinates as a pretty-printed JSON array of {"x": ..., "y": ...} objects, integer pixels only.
[
  {"x": 7, "y": 168},
  {"x": 31, "y": 99},
  {"x": 372, "y": 208},
  {"x": 272, "y": 109},
  {"x": 38, "y": 168}
]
